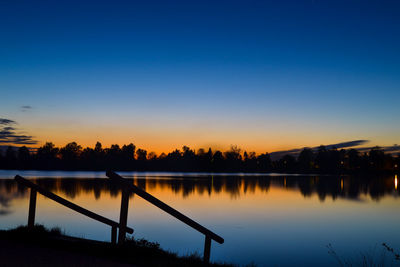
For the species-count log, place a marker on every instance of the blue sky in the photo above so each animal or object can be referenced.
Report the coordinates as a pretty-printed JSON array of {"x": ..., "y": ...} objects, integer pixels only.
[{"x": 265, "y": 75}]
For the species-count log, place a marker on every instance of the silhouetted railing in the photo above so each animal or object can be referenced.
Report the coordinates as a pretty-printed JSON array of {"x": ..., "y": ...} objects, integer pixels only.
[
  {"x": 32, "y": 208},
  {"x": 128, "y": 187}
]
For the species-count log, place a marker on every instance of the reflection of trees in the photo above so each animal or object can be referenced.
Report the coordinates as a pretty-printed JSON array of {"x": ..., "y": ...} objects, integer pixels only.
[
  {"x": 8, "y": 192},
  {"x": 5, "y": 201},
  {"x": 324, "y": 186},
  {"x": 305, "y": 186}
]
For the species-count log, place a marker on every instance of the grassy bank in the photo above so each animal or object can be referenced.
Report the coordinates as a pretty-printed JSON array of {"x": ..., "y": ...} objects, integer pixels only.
[{"x": 134, "y": 252}]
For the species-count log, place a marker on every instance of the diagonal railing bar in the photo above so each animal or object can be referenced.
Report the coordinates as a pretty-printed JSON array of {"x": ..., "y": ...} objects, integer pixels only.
[
  {"x": 128, "y": 186},
  {"x": 32, "y": 207}
]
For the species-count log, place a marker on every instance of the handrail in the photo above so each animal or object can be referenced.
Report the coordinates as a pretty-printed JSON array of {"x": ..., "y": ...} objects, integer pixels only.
[
  {"x": 36, "y": 188},
  {"x": 129, "y": 187},
  {"x": 168, "y": 209},
  {"x": 123, "y": 228}
]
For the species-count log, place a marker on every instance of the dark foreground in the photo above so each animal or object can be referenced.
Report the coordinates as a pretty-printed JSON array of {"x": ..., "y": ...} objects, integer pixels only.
[{"x": 41, "y": 247}]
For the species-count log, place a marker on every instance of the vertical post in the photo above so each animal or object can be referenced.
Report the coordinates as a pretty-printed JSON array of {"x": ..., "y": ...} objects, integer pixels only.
[
  {"x": 123, "y": 217},
  {"x": 32, "y": 208},
  {"x": 207, "y": 249},
  {"x": 114, "y": 235}
]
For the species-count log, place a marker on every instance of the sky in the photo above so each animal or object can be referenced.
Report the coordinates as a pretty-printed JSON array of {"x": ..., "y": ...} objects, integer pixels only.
[{"x": 263, "y": 75}]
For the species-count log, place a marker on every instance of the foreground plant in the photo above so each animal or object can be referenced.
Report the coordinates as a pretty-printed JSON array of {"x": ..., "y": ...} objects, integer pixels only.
[{"x": 369, "y": 258}]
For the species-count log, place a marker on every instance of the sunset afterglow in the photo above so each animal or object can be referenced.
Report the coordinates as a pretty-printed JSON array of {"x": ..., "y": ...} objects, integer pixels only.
[{"x": 264, "y": 76}]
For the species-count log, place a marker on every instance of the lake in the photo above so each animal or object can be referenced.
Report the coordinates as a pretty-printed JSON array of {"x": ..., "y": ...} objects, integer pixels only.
[{"x": 269, "y": 220}]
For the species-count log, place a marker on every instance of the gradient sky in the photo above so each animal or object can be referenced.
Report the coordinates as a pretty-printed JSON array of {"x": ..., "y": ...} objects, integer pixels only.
[{"x": 264, "y": 75}]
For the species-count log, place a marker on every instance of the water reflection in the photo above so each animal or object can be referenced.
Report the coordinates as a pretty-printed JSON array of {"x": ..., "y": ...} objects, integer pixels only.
[
  {"x": 262, "y": 218},
  {"x": 4, "y": 205},
  {"x": 8, "y": 191},
  {"x": 350, "y": 188}
]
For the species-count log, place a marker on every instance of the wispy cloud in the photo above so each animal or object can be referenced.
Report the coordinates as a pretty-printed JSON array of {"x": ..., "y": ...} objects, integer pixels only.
[
  {"x": 10, "y": 135},
  {"x": 7, "y": 122},
  {"x": 347, "y": 144},
  {"x": 295, "y": 152},
  {"x": 26, "y": 108}
]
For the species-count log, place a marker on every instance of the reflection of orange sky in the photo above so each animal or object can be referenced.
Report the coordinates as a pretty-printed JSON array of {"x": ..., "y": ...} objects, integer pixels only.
[
  {"x": 277, "y": 203},
  {"x": 198, "y": 203},
  {"x": 214, "y": 208}
]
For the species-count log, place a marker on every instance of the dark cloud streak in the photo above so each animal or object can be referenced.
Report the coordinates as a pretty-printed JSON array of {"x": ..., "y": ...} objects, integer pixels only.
[
  {"x": 295, "y": 152},
  {"x": 347, "y": 144},
  {"x": 26, "y": 108},
  {"x": 7, "y": 122},
  {"x": 9, "y": 134}
]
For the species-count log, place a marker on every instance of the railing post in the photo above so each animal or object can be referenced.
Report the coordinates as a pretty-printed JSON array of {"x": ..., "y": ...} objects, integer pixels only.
[
  {"x": 123, "y": 217},
  {"x": 32, "y": 208},
  {"x": 114, "y": 235},
  {"x": 207, "y": 249}
]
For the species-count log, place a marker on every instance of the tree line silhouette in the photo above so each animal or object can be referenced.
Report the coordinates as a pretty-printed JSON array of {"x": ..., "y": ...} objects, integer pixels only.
[{"x": 128, "y": 158}]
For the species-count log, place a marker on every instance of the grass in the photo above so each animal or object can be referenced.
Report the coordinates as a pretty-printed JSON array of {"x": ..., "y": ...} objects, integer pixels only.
[
  {"x": 384, "y": 257},
  {"x": 138, "y": 252}
]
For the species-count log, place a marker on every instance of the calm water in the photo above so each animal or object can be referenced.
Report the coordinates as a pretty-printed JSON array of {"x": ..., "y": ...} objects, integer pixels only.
[{"x": 269, "y": 220}]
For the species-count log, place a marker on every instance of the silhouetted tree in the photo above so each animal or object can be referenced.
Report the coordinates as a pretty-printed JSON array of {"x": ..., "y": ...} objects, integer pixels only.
[
  {"x": 128, "y": 156},
  {"x": 397, "y": 163},
  {"x": 306, "y": 160},
  {"x": 70, "y": 155},
  {"x": 113, "y": 157},
  {"x": 10, "y": 159},
  {"x": 287, "y": 163},
  {"x": 141, "y": 154},
  {"x": 250, "y": 161},
  {"x": 217, "y": 161},
  {"x": 354, "y": 159},
  {"x": 24, "y": 158},
  {"x": 128, "y": 151},
  {"x": 233, "y": 158},
  {"x": 47, "y": 156},
  {"x": 322, "y": 159},
  {"x": 2, "y": 163},
  {"x": 264, "y": 163},
  {"x": 73, "y": 157},
  {"x": 376, "y": 158},
  {"x": 88, "y": 159},
  {"x": 188, "y": 159}
]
